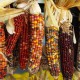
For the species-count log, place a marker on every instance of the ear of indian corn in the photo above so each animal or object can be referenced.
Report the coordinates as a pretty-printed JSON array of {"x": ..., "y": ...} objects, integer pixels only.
[
  {"x": 52, "y": 50},
  {"x": 36, "y": 38},
  {"x": 3, "y": 59},
  {"x": 66, "y": 50},
  {"x": 24, "y": 44},
  {"x": 52, "y": 36},
  {"x": 11, "y": 40}
]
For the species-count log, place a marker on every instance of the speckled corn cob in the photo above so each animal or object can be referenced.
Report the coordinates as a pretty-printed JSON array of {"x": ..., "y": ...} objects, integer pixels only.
[
  {"x": 36, "y": 38},
  {"x": 52, "y": 50}
]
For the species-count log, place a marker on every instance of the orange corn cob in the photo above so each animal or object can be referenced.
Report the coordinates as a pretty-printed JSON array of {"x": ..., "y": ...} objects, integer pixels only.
[{"x": 36, "y": 38}]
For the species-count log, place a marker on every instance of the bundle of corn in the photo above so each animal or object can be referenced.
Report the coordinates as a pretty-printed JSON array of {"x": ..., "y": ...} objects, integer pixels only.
[
  {"x": 65, "y": 16},
  {"x": 36, "y": 37},
  {"x": 66, "y": 4},
  {"x": 3, "y": 59},
  {"x": 52, "y": 29}
]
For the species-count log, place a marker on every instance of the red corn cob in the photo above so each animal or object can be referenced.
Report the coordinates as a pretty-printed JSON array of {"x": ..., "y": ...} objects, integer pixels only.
[
  {"x": 3, "y": 60},
  {"x": 67, "y": 52},
  {"x": 12, "y": 39},
  {"x": 24, "y": 44}
]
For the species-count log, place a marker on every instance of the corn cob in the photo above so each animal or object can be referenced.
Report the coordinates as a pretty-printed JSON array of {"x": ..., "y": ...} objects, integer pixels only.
[
  {"x": 12, "y": 39},
  {"x": 36, "y": 38},
  {"x": 78, "y": 54},
  {"x": 52, "y": 50},
  {"x": 24, "y": 44},
  {"x": 3, "y": 60},
  {"x": 66, "y": 50}
]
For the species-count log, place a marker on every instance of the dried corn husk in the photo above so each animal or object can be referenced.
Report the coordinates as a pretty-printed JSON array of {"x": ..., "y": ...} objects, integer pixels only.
[
  {"x": 65, "y": 16},
  {"x": 4, "y": 3},
  {"x": 21, "y": 1},
  {"x": 22, "y": 5},
  {"x": 68, "y": 3},
  {"x": 9, "y": 13},
  {"x": 35, "y": 9},
  {"x": 50, "y": 18},
  {"x": 57, "y": 15},
  {"x": 10, "y": 26},
  {"x": 25, "y": 4}
]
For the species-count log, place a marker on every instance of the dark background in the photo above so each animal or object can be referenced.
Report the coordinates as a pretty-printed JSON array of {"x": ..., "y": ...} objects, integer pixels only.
[{"x": 76, "y": 23}]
